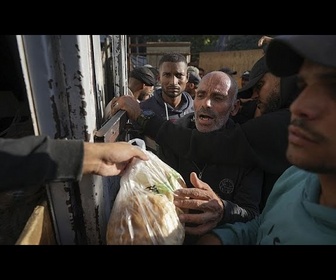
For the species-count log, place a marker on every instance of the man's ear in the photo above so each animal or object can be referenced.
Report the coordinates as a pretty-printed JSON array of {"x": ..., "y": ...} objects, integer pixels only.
[{"x": 235, "y": 108}]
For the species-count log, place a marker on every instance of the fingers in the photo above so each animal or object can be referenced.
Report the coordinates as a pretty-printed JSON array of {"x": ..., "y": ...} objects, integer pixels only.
[
  {"x": 264, "y": 40},
  {"x": 201, "y": 189},
  {"x": 138, "y": 153},
  {"x": 200, "y": 222},
  {"x": 114, "y": 105},
  {"x": 198, "y": 183},
  {"x": 213, "y": 205}
]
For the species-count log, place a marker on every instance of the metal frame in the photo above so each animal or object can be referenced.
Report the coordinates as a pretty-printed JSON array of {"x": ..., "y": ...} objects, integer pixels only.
[{"x": 64, "y": 77}]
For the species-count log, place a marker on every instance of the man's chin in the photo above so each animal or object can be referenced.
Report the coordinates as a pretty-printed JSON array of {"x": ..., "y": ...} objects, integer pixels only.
[{"x": 205, "y": 128}]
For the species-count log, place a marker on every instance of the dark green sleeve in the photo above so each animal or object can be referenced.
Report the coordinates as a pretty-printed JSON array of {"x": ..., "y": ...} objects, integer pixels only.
[{"x": 37, "y": 160}]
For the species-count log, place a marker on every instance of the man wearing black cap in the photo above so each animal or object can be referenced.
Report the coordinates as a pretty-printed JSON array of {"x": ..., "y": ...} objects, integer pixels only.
[
  {"x": 244, "y": 78},
  {"x": 301, "y": 208},
  {"x": 260, "y": 95},
  {"x": 192, "y": 84},
  {"x": 141, "y": 82}
]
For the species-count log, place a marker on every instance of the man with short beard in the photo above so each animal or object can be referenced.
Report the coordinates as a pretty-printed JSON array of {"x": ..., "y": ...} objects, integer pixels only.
[
  {"x": 260, "y": 95},
  {"x": 235, "y": 191}
]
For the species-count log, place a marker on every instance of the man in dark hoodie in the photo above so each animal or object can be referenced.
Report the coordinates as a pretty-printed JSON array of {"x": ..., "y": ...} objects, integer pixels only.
[{"x": 170, "y": 102}]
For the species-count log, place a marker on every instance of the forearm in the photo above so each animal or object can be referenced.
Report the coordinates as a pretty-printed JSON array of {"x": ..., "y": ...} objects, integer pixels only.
[
  {"x": 154, "y": 126},
  {"x": 238, "y": 233}
]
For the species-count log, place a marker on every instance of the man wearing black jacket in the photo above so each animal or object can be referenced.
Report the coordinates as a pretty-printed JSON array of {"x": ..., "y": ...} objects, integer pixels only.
[{"x": 238, "y": 188}]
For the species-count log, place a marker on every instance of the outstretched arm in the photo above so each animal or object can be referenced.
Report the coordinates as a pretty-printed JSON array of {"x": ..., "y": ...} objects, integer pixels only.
[
  {"x": 37, "y": 160},
  {"x": 262, "y": 140},
  {"x": 109, "y": 159}
]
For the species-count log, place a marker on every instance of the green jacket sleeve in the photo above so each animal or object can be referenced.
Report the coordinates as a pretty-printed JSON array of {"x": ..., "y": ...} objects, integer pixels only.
[{"x": 238, "y": 233}]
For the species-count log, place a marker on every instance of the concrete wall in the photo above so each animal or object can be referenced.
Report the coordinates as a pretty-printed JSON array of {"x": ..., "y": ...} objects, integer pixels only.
[
  {"x": 155, "y": 50},
  {"x": 239, "y": 61}
]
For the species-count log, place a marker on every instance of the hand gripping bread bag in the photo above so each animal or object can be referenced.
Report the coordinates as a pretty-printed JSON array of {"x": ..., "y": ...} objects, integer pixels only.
[{"x": 143, "y": 212}]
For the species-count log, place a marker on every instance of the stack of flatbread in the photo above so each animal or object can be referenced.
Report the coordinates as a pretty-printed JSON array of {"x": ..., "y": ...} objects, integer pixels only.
[{"x": 143, "y": 212}]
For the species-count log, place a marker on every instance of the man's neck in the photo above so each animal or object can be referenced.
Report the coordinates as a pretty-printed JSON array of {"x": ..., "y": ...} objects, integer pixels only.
[{"x": 172, "y": 101}]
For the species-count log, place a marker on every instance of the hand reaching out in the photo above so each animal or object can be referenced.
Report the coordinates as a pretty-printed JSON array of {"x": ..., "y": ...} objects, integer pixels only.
[
  {"x": 203, "y": 199},
  {"x": 109, "y": 159}
]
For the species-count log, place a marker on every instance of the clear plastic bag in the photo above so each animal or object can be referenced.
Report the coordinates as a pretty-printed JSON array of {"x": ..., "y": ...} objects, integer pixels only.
[{"x": 143, "y": 212}]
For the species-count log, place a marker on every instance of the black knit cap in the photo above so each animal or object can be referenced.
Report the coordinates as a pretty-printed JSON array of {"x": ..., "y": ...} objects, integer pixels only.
[
  {"x": 285, "y": 53},
  {"x": 144, "y": 75},
  {"x": 258, "y": 70},
  {"x": 194, "y": 78}
]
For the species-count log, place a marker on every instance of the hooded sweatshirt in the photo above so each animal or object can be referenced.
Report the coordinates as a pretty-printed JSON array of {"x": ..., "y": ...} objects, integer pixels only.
[
  {"x": 292, "y": 216},
  {"x": 165, "y": 110}
]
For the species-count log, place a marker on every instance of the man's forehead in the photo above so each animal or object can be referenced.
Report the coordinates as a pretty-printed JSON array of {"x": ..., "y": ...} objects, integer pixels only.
[
  {"x": 215, "y": 82},
  {"x": 169, "y": 64},
  {"x": 217, "y": 77}
]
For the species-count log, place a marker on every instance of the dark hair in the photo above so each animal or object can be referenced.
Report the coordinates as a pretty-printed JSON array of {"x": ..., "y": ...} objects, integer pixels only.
[{"x": 172, "y": 57}]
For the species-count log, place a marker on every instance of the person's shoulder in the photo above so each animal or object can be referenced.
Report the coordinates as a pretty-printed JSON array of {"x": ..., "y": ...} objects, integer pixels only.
[
  {"x": 296, "y": 172},
  {"x": 280, "y": 117},
  {"x": 148, "y": 103},
  {"x": 187, "y": 96},
  {"x": 292, "y": 178}
]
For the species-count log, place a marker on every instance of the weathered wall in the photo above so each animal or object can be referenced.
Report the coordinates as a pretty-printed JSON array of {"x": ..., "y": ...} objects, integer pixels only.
[
  {"x": 239, "y": 61},
  {"x": 155, "y": 50}
]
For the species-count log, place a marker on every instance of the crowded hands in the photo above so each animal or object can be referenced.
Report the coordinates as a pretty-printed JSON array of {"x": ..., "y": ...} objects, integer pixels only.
[{"x": 209, "y": 206}]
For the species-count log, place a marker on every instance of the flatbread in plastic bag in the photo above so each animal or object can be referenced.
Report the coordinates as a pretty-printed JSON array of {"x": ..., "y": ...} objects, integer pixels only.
[{"x": 143, "y": 212}]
